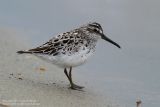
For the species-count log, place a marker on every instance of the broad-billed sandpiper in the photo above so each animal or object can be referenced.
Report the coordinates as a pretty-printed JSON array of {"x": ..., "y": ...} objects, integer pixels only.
[{"x": 71, "y": 49}]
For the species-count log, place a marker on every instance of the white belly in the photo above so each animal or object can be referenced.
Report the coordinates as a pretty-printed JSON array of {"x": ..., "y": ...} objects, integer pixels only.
[{"x": 66, "y": 61}]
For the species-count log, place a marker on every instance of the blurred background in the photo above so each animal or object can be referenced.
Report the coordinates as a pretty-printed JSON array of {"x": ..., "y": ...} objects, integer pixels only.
[{"x": 126, "y": 74}]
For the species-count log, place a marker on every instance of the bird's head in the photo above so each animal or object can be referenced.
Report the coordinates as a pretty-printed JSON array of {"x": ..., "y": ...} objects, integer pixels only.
[{"x": 97, "y": 29}]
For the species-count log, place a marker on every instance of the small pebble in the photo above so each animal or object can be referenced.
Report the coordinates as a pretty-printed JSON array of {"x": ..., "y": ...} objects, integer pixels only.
[
  {"x": 20, "y": 78},
  {"x": 42, "y": 69},
  {"x": 11, "y": 74}
]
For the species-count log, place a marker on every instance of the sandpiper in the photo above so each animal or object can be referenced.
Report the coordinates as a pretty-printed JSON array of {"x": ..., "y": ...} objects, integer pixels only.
[{"x": 71, "y": 49}]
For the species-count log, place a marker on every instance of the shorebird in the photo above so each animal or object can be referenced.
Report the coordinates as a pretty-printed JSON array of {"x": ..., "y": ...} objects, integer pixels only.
[{"x": 71, "y": 49}]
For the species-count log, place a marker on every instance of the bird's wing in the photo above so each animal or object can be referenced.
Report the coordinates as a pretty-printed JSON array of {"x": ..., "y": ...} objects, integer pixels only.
[
  {"x": 50, "y": 47},
  {"x": 57, "y": 44}
]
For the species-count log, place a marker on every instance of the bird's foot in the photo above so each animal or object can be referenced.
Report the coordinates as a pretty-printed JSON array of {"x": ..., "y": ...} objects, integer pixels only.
[{"x": 76, "y": 87}]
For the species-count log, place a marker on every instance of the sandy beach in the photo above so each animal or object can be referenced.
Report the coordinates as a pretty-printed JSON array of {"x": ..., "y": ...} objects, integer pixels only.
[
  {"x": 28, "y": 81},
  {"x": 112, "y": 77}
]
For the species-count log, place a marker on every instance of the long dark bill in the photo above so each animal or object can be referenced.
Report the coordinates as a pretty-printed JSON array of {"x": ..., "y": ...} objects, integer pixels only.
[{"x": 109, "y": 40}]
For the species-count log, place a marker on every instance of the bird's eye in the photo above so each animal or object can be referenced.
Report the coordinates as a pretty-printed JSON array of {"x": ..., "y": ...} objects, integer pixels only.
[{"x": 95, "y": 30}]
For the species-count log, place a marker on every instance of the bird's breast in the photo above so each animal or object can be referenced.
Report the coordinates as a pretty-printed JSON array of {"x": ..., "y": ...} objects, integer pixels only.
[{"x": 75, "y": 59}]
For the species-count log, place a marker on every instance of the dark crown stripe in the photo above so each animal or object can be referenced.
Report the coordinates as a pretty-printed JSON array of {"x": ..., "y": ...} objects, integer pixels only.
[{"x": 96, "y": 25}]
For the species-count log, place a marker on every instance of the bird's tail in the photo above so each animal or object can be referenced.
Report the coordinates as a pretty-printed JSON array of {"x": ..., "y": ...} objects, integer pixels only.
[{"x": 22, "y": 52}]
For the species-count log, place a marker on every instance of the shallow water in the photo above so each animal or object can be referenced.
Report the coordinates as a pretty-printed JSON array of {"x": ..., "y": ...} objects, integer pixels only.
[{"x": 126, "y": 74}]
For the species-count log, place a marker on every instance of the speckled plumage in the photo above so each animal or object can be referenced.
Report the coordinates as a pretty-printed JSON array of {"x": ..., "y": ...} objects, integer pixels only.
[
  {"x": 71, "y": 48},
  {"x": 68, "y": 49}
]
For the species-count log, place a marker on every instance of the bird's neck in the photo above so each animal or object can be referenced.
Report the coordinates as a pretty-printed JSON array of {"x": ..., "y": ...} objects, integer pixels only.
[{"x": 92, "y": 41}]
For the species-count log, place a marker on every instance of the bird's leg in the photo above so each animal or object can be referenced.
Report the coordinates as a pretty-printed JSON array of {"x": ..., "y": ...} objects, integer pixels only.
[
  {"x": 65, "y": 71},
  {"x": 69, "y": 76},
  {"x": 73, "y": 86}
]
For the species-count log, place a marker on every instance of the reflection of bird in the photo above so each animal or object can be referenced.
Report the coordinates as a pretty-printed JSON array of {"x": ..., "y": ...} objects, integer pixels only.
[{"x": 72, "y": 48}]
